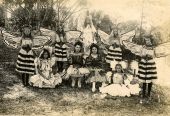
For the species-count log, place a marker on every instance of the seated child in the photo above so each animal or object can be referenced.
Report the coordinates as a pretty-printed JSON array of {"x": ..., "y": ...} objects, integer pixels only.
[
  {"x": 94, "y": 64},
  {"x": 118, "y": 88},
  {"x": 76, "y": 70},
  {"x": 44, "y": 76}
]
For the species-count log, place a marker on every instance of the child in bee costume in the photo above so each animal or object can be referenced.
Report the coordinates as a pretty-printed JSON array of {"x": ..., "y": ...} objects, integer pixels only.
[
  {"x": 25, "y": 62},
  {"x": 147, "y": 72}
]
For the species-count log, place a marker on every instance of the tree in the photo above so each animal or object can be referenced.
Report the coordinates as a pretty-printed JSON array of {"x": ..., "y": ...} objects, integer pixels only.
[
  {"x": 2, "y": 18},
  {"x": 101, "y": 21},
  {"x": 66, "y": 8},
  {"x": 42, "y": 12}
]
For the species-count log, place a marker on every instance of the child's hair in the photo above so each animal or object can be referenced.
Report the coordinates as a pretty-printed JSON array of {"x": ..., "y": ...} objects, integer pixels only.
[
  {"x": 42, "y": 55},
  {"x": 96, "y": 46},
  {"x": 60, "y": 32},
  {"x": 120, "y": 66},
  {"x": 80, "y": 44}
]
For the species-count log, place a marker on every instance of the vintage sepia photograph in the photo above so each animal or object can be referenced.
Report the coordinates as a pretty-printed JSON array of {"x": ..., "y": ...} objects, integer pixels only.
[{"x": 85, "y": 57}]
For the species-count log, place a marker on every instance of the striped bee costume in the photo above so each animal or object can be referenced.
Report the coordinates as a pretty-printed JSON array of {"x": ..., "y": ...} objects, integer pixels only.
[
  {"x": 25, "y": 62},
  {"x": 147, "y": 70},
  {"x": 61, "y": 52},
  {"x": 114, "y": 54},
  {"x": 61, "y": 55},
  {"x": 146, "y": 74}
]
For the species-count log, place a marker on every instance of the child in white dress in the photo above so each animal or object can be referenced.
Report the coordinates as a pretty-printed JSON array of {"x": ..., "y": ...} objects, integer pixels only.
[
  {"x": 44, "y": 77},
  {"x": 123, "y": 84},
  {"x": 118, "y": 88}
]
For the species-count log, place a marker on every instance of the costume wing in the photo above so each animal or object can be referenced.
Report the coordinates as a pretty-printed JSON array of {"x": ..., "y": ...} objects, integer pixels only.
[
  {"x": 134, "y": 48},
  {"x": 40, "y": 41},
  {"x": 14, "y": 41},
  {"x": 137, "y": 49},
  {"x": 73, "y": 35},
  {"x": 50, "y": 33},
  {"x": 162, "y": 50},
  {"x": 11, "y": 40},
  {"x": 127, "y": 36},
  {"x": 104, "y": 37}
]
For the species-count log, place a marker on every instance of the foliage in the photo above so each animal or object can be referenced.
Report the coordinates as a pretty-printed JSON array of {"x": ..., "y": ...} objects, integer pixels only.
[
  {"x": 47, "y": 16},
  {"x": 101, "y": 21},
  {"x": 2, "y": 18},
  {"x": 23, "y": 16}
]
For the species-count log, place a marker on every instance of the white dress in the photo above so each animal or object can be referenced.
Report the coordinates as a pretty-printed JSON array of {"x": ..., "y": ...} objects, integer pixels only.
[
  {"x": 49, "y": 80},
  {"x": 88, "y": 34},
  {"x": 134, "y": 88},
  {"x": 117, "y": 88}
]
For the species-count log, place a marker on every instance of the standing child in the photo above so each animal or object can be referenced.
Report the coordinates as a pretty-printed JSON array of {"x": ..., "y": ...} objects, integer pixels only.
[
  {"x": 114, "y": 51},
  {"x": 147, "y": 73},
  {"x": 25, "y": 62},
  {"x": 61, "y": 49},
  {"x": 76, "y": 64},
  {"x": 94, "y": 63},
  {"x": 147, "y": 68}
]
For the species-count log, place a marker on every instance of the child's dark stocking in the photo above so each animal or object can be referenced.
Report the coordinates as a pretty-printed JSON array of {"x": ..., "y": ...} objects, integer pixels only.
[
  {"x": 60, "y": 66},
  {"x": 149, "y": 89},
  {"x": 144, "y": 90},
  {"x": 27, "y": 79},
  {"x": 24, "y": 79}
]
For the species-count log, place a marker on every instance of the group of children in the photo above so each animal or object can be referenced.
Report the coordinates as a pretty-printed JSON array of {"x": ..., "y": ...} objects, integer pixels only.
[{"x": 53, "y": 66}]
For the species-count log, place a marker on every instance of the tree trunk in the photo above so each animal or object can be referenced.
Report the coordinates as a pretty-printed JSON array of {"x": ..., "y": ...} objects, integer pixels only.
[{"x": 6, "y": 18}]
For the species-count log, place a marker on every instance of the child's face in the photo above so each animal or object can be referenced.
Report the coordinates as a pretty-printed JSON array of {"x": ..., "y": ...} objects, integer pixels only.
[
  {"x": 147, "y": 41},
  {"x": 61, "y": 38},
  {"x": 45, "y": 55},
  {"x": 118, "y": 69},
  {"x": 77, "y": 48},
  {"x": 94, "y": 50},
  {"x": 27, "y": 31},
  {"x": 60, "y": 28},
  {"x": 115, "y": 32}
]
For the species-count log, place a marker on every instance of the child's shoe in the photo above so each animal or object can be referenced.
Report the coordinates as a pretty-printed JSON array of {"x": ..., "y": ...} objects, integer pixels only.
[
  {"x": 93, "y": 89},
  {"x": 141, "y": 101}
]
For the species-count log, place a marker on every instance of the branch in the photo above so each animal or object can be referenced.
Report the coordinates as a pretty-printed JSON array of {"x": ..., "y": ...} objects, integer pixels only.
[
  {"x": 64, "y": 2},
  {"x": 72, "y": 6},
  {"x": 67, "y": 17},
  {"x": 45, "y": 15},
  {"x": 8, "y": 8}
]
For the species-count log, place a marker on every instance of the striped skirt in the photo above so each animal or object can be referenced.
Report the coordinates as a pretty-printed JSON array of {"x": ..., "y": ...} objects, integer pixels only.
[
  {"x": 25, "y": 62},
  {"x": 147, "y": 71},
  {"x": 114, "y": 54}
]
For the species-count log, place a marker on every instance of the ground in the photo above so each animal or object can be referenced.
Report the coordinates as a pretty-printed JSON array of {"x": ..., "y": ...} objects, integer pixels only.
[{"x": 64, "y": 100}]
